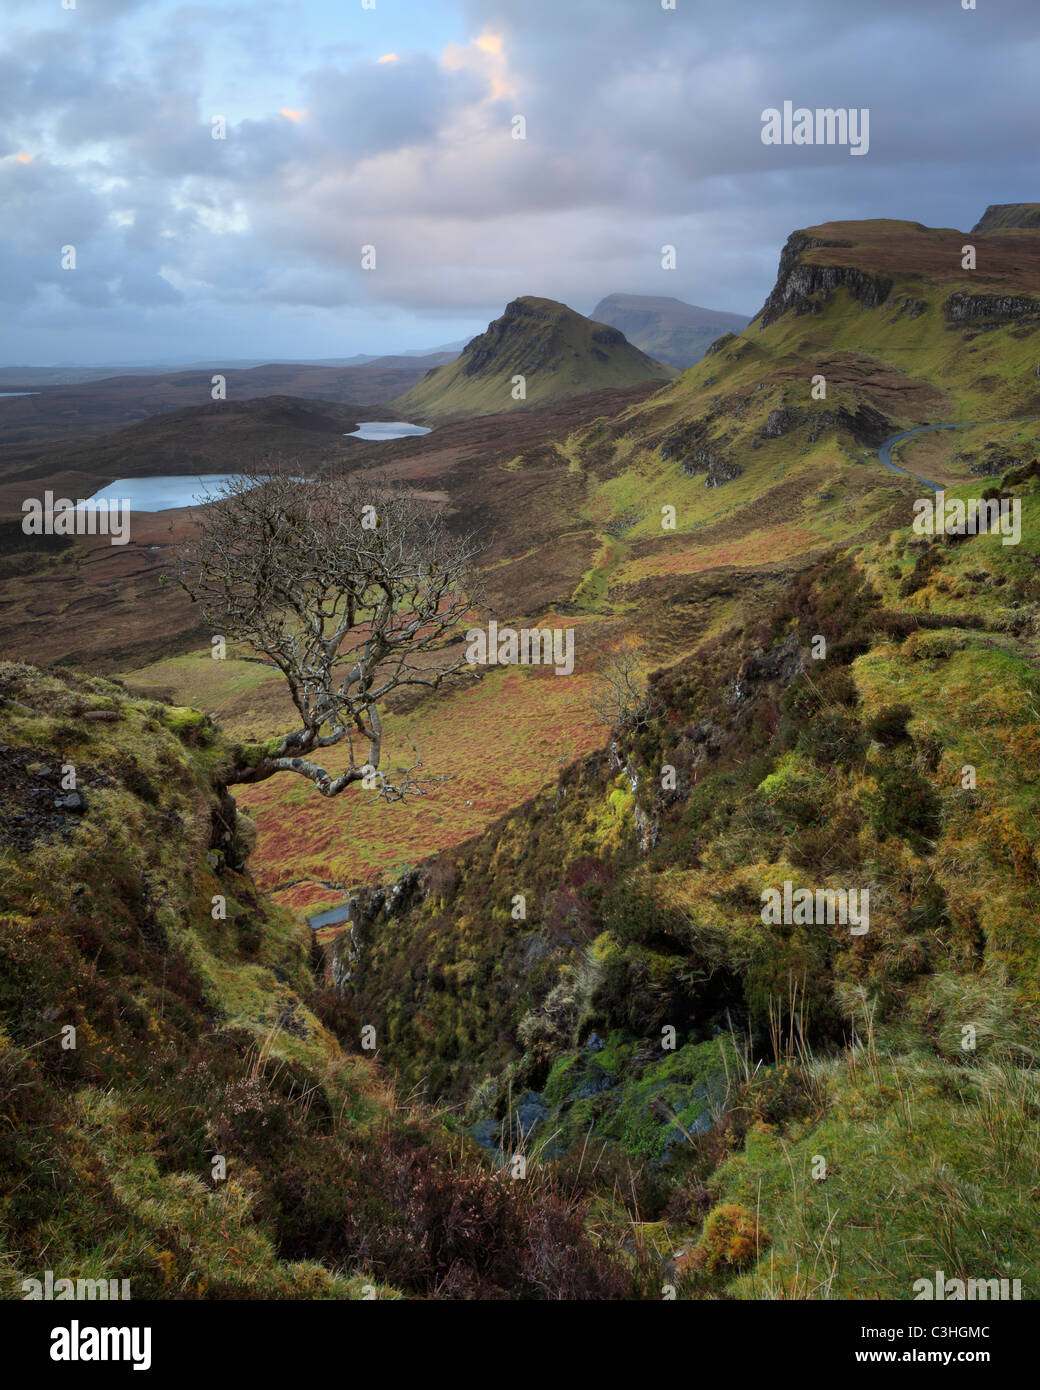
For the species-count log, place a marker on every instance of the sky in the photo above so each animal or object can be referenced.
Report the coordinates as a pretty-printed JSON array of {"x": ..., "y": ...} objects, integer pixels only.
[{"x": 390, "y": 124}]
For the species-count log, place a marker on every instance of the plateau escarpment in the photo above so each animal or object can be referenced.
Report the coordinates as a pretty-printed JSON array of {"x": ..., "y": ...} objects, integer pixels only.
[
  {"x": 590, "y": 972},
  {"x": 798, "y": 281},
  {"x": 1000, "y": 217}
]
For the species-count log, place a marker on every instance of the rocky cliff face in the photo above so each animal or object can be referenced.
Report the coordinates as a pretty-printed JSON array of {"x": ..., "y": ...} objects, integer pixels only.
[
  {"x": 865, "y": 424},
  {"x": 797, "y": 282},
  {"x": 689, "y": 443},
  {"x": 520, "y": 322},
  {"x": 990, "y": 308}
]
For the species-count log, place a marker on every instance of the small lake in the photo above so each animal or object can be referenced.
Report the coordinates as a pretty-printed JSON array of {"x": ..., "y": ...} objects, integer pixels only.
[
  {"x": 332, "y": 916},
  {"x": 386, "y": 429},
  {"x": 162, "y": 494}
]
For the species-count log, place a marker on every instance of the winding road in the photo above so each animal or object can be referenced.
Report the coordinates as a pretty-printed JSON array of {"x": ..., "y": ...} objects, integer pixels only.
[{"x": 884, "y": 452}]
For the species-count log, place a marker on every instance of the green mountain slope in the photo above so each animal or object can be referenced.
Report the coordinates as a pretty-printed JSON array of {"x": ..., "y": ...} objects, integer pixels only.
[
  {"x": 771, "y": 440},
  {"x": 531, "y": 977},
  {"x": 558, "y": 352},
  {"x": 902, "y": 761},
  {"x": 1001, "y": 216}
]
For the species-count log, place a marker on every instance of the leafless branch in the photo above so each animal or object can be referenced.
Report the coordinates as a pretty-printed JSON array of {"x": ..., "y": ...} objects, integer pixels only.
[
  {"x": 619, "y": 699},
  {"x": 348, "y": 588}
]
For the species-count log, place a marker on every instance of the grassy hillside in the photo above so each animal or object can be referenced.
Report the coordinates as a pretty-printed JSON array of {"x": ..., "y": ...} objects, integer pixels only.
[
  {"x": 900, "y": 335},
  {"x": 792, "y": 1043},
  {"x": 696, "y": 1162},
  {"x": 558, "y": 353},
  {"x": 157, "y": 1015},
  {"x": 763, "y": 480},
  {"x": 308, "y": 845}
]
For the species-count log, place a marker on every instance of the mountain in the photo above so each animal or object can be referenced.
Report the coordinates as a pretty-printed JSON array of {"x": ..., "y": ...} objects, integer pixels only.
[
  {"x": 1000, "y": 217},
  {"x": 559, "y": 353},
  {"x": 883, "y": 762},
  {"x": 896, "y": 332},
  {"x": 668, "y": 329},
  {"x": 608, "y": 1014}
]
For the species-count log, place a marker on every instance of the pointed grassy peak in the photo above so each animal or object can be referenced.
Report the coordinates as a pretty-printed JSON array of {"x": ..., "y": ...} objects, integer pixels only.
[{"x": 537, "y": 351}]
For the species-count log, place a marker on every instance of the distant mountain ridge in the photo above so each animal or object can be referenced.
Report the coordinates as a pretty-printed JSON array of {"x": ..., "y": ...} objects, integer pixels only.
[
  {"x": 559, "y": 353},
  {"x": 1001, "y": 217},
  {"x": 31, "y": 378},
  {"x": 669, "y": 329}
]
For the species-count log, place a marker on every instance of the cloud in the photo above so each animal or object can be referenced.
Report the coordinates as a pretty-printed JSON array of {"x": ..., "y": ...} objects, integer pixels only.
[{"x": 642, "y": 126}]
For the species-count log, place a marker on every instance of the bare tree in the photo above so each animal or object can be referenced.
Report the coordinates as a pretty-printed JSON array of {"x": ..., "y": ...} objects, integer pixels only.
[
  {"x": 619, "y": 698},
  {"x": 344, "y": 587}
]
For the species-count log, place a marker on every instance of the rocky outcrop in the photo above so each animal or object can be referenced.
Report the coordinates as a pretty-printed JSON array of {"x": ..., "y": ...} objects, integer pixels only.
[
  {"x": 781, "y": 421},
  {"x": 990, "y": 308},
  {"x": 865, "y": 424},
  {"x": 717, "y": 468},
  {"x": 480, "y": 353},
  {"x": 689, "y": 444},
  {"x": 609, "y": 337},
  {"x": 720, "y": 343},
  {"x": 801, "y": 285}
]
